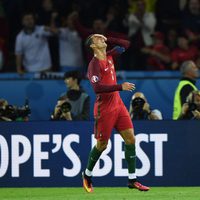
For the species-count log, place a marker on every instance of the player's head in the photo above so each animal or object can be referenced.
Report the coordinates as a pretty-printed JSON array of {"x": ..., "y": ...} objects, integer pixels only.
[
  {"x": 189, "y": 69},
  {"x": 96, "y": 41},
  {"x": 72, "y": 79},
  {"x": 28, "y": 20}
]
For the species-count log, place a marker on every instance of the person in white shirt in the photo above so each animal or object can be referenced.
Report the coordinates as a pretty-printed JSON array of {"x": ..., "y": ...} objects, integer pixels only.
[
  {"x": 142, "y": 21},
  {"x": 70, "y": 47},
  {"x": 31, "y": 48}
]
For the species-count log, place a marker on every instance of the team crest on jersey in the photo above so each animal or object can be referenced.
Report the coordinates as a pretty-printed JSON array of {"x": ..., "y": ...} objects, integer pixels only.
[{"x": 94, "y": 79}]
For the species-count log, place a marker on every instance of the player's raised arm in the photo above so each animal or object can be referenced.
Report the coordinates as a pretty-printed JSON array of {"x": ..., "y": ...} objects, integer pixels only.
[
  {"x": 119, "y": 42},
  {"x": 121, "y": 46},
  {"x": 100, "y": 88}
]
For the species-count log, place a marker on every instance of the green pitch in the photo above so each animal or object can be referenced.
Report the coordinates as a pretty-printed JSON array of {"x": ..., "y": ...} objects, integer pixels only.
[{"x": 156, "y": 193}]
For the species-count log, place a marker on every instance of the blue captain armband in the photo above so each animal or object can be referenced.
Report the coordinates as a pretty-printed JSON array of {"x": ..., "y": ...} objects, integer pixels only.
[{"x": 119, "y": 49}]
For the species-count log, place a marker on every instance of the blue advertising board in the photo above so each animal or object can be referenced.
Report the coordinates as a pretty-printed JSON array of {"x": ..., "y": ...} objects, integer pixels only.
[
  {"x": 53, "y": 154},
  {"x": 44, "y": 89},
  {"x": 43, "y": 94}
]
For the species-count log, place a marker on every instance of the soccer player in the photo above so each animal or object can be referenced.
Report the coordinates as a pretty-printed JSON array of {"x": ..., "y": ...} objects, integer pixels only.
[{"x": 109, "y": 110}]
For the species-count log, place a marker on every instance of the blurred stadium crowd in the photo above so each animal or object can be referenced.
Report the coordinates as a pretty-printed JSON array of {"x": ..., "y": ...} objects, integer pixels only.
[{"x": 163, "y": 33}]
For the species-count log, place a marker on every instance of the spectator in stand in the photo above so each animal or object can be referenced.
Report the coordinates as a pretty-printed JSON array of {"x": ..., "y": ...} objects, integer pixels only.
[
  {"x": 158, "y": 55},
  {"x": 183, "y": 52},
  {"x": 31, "y": 49},
  {"x": 171, "y": 38},
  {"x": 150, "y": 5},
  {"x": 46, "y": 16},
  {"x": 189, "y": 72},
  {"x": 168, "y": 14},
  {"x": 190, "y": 20},
  {"x": 115, "y": 17},
  {"x": 141, "y": 25},
  {"x": 98, "y": 27},
  {"x": 70, "y": 47},
  {"x": 3, "y": 38}
]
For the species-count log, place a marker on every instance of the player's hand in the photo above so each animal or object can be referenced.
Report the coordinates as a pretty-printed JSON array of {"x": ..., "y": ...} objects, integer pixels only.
[
  {"x": 101, "y": 36},
  {"x": 128, "y": 86}
]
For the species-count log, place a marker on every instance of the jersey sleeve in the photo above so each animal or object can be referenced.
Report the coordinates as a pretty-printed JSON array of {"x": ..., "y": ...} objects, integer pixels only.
[
  {"x": 94, "y": 76},
  {"x": 122, "y": 46}
]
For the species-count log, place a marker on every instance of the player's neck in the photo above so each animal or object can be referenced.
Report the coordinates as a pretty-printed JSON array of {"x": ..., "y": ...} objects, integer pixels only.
[{"x": 100, "y": 54}]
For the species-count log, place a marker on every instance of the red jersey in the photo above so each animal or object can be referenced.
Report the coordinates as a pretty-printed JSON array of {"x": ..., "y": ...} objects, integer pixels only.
[
  {"x": 180, "y": 55},
  {"x": 155, "y": 62},
  {"x": 102, "y": 76}
]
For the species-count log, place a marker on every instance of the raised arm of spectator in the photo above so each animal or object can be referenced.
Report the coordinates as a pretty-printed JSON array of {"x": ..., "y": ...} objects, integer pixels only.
[
  {"x": 163, "y": 56},
  {"x": 46, "y": 31},
  {"x": 82, "y": 30}
]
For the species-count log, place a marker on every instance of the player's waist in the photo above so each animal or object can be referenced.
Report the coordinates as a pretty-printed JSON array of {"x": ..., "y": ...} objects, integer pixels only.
[
  {"x": 105, "y": 109},
  {"x": 109, "y": 104},
  {"x": 106, "y": 96}
]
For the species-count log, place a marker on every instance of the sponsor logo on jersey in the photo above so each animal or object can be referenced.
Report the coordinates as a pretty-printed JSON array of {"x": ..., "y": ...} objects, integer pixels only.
[{"x": 110, "y": 62}]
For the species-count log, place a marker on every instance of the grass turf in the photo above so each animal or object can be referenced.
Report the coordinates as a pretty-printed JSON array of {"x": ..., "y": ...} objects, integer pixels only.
[{"x": 117, "y": 193}]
